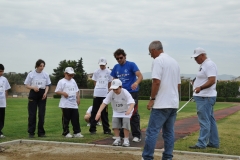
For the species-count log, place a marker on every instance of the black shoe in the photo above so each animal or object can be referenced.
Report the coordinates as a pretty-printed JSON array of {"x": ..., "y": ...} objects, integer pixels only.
[
  {"x": 94, "y": 132},
  {"x": 212, "y": 146},
  {"x": 42, "y": 135},
  {"x": 196, "y": 147},
  {"x": 31, "y": 135},
  {"x": 108, "y": 133}
]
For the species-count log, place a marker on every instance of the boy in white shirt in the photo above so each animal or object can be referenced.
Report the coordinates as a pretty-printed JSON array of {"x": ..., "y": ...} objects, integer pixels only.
[
  {"x": 122, "y": 104},
  {"x": 4, "y": 86},
  {"x": 88, "y": 115},
  {"x": 70, "y": 99}
]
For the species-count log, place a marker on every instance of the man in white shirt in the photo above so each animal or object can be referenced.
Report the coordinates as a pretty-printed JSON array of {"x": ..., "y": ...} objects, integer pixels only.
[
  {"x": 164, "y": 101},
  {"x": 205, "y": 97},
  {"x": 102, "y": 81}
]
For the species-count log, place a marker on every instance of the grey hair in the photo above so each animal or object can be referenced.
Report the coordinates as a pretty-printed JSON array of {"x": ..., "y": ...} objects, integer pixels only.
[{"x": 157, "y": 45}]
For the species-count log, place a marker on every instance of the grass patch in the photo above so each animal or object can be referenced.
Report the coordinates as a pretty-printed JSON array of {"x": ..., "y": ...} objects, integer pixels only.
[{"x": 17, "y": 115}]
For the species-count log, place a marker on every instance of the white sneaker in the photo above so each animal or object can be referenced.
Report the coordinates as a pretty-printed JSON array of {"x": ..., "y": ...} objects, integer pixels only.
[
  {"x": 99, "y": 123},
  {"x": 2, "y": 136},
  {"x": 69, "y": 135},
  {"x": 136, "y": 139},
  {"x": 88, "y": 124},
  {"x": 126, "y": 143},
  {"x": 78, "y": 135},
  {"x": 117, "y": 142}
]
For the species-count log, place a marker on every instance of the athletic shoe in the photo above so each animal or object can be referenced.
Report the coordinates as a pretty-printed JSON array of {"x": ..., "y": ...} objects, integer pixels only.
[
  {"x": 126, "y": 143},
  {"x": 117, "y": 142},
  {"x": 99, "y": 123},
  {"x": 78, "y": 135},
  {"x": 136, "y": 139},
  {"x": 31, "y": 135},
  {"x": 69, "y": 135},
  {"x": 88, "y": 124},
  {"x": 2, "y": 136}
]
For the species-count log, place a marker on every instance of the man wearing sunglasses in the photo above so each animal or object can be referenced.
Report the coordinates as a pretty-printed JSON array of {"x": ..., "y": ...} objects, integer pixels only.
[{"x": 130, "y": 76}]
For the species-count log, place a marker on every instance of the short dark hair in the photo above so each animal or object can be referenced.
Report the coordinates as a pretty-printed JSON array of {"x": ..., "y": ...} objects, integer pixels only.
[
  {"x": 119, "y": 52},
  {"x": 39, "y": 62},
  {"x": 1, "y": 67}
]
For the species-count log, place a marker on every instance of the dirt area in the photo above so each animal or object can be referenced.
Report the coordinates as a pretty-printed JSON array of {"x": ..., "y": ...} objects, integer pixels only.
[{"x": 60, "y": 151}]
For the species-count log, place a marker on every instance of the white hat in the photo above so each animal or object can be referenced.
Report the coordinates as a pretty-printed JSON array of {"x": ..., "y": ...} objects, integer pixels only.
[
  {"x": 115, "y": 84},
  {"x": 198, "y": 51},
  {"x": 69, "y": 70},
  {"x": 102, "y": 61}
]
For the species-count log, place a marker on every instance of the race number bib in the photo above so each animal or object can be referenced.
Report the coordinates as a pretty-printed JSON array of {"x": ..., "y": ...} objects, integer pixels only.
[
  {"x": 119, "y": 107},
  {"x": 71, "y": 94},
  {"x": 102, "y": 83},
  {"x": 40, "y": 83},
  {"x": 2, "y": 92}
]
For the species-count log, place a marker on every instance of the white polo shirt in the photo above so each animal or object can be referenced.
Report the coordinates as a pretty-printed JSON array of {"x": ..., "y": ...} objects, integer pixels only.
[
  {"x": 207, "y": 69},
  {"x": 4, "y": 86},
  {"x": 166, "y": 69}
]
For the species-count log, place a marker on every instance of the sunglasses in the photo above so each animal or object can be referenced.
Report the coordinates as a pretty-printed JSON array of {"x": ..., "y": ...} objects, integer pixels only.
[{"x": 119, "y": 58}]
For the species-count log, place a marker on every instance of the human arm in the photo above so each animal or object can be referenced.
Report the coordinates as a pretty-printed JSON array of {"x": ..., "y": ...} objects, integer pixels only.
[
  {"x": 62, "y": 93},
  {"x": 98, "y": 115},
  {"x": 139, "y": 79},
  {"x": 45, "y": 93},
  {"x": 130, "y": 109},
  {"x": 78, "y": 97},
  {"x": 209, "y": 83},
  {"x": 154, "y": 90},
  {"x": 36, "y": 89}
]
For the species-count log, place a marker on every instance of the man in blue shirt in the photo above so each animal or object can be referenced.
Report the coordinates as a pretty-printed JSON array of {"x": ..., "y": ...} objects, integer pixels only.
[{"x": 130, "y": 76}]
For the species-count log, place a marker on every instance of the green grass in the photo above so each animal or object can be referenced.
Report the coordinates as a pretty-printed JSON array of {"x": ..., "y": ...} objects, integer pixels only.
[{"x": 17, "y": 114}]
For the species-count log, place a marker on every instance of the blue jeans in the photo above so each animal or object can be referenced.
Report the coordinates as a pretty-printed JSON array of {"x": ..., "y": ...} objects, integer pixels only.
[
  {"x": 160, "y": 119},
  {"x": 208, "y": 127}
]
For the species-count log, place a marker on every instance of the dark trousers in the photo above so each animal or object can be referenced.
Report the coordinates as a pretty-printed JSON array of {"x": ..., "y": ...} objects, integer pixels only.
[
  {"x": 35, "y": 102},
  {"x": 2, "y": 118},
  {"x": 97, "y": 101},
  {"x": 135, "y": 119},
  {"x": 70, "y": 114}
]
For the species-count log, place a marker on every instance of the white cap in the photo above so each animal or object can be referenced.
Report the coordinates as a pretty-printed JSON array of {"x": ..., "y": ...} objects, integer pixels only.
[
  {"x": 115, "y": 84},
  {"x": 102, "y": 61},
  {"x": 198, "y": 51},
  {"x": 69, "y": 70}
]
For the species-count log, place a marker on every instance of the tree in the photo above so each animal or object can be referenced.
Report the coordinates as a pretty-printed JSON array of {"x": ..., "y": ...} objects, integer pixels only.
[{"x": 80, "y": 76}]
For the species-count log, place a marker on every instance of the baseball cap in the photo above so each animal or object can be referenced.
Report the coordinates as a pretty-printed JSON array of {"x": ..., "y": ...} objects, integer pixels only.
[
  {"x": 102, "y": 61},
  {"x": 115, "y": 84},
  {"x": 69, "y": 70},
  {"x": 198, "y": 51}
]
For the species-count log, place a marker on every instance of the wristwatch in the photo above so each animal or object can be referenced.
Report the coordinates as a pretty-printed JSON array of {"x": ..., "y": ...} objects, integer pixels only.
[{"x": 152, "y": 98}]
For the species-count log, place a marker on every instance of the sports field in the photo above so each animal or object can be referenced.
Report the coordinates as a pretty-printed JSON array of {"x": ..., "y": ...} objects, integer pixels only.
[{"x": 16, "y": 124}]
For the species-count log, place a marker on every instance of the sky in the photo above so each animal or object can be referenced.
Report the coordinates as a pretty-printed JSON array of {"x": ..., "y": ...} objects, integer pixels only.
[{"x": 57, "y": 30}]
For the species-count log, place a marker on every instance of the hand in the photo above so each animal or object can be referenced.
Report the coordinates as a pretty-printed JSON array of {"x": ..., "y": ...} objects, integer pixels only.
[
  {"x": 44, "y": 96},
  {"x": 128, "y": 112},
  {"x": 150, "y": 104},
  {"x": 65, "y": 94},
  {"x": 98, "y": 115},
  {"x": 134, "y": 86},
  {"x": 197, "y": 90},
  {"x": 36, "y": 89}
]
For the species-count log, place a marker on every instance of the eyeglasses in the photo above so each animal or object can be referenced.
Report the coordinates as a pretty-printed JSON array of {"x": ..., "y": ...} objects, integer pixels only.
[
  {"x": 71, "y": 75},
  {"x": 119, "y": 58}
]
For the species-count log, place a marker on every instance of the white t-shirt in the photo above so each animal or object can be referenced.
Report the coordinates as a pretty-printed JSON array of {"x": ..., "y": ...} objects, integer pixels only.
[
  {"x": 207, "y": 69},
  {"x": 71, "y": 88},
  {"x": 89, "y": 110},
  {"x": 120, "y": 103},
  {"x": 166, "y": 69},
  {"x": 4, "y": 86},
  {"x": 40, "y": 80},
  {"x": 102, "y": 78}
]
